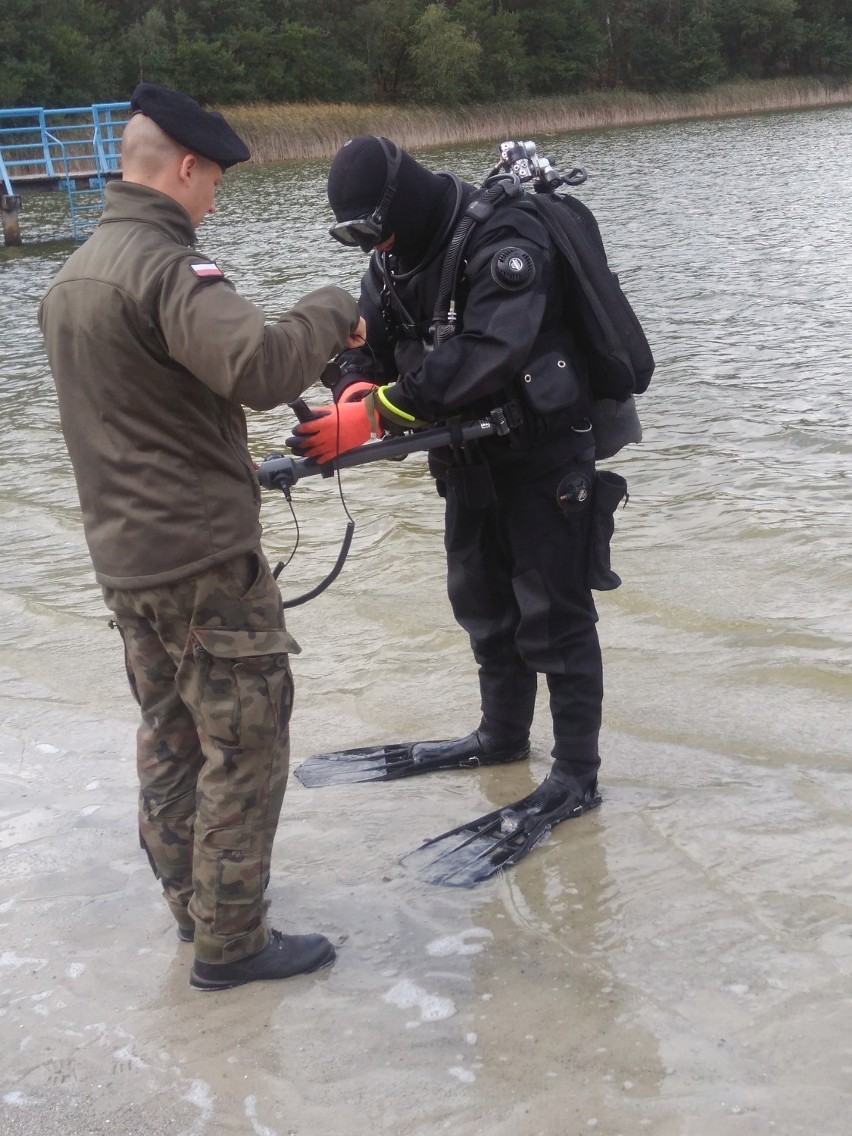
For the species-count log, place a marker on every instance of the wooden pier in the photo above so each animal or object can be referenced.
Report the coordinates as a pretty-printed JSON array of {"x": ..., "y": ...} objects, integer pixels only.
[{"x": 74, "y": 150}]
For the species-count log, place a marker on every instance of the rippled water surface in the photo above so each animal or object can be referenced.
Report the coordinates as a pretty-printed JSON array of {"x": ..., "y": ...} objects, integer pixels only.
[{"x": 708, "y": 902}]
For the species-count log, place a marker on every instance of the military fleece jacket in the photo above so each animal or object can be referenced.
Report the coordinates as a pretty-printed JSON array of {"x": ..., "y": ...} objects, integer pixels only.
[{"x": 154, "y": 355}]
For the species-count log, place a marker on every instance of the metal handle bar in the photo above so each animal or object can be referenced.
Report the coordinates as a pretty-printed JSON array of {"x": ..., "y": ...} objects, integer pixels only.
[{"x": 281, "y": 472}]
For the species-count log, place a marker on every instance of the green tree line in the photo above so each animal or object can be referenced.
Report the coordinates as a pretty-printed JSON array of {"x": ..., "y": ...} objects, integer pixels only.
[{"x": 74, "y": 52}]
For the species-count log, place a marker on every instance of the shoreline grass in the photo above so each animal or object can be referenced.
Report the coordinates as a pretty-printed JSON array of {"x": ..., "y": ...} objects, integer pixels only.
[{"x": 306, "y": 131}]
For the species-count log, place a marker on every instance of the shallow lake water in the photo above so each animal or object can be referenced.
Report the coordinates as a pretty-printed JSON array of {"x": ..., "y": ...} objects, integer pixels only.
[{"x": 677, "y": 962}]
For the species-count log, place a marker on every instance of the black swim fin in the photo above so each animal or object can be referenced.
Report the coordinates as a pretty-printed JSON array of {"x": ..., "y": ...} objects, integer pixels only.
[
  {"x": 473, "y": 852},
  {"x": 407, "y": 759}
]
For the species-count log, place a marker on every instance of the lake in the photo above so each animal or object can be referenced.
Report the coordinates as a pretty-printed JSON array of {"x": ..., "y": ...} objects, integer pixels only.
[{"x": 677, "y": 962}]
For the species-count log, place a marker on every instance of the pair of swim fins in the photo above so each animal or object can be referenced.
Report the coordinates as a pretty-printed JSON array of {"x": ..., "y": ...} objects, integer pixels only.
[{"x": 471, "y": 853}]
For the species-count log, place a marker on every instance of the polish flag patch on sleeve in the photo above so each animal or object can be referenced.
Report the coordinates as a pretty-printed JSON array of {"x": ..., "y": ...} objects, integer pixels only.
[{"x": 208, "y": 271}]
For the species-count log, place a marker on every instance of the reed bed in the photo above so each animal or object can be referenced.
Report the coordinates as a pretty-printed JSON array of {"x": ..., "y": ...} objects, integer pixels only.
[{"x": 304, "y": 132}]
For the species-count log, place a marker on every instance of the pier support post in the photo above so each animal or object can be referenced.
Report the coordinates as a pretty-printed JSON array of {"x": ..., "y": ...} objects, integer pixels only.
[{"x": 10, "y": 203}]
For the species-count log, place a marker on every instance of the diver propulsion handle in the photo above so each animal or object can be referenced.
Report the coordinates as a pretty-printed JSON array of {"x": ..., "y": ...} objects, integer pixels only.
[
  {"x": 302, "y": 411},
  {"x": 281, "y": 472}
]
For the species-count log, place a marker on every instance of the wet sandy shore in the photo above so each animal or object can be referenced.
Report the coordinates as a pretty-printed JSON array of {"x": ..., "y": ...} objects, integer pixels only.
[{"x": 676, "y": 963}]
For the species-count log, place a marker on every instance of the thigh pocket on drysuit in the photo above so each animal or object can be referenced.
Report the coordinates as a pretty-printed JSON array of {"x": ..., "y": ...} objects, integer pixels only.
[
  {"x": 574, "y": 498},
  {"x": 594, "y": 496},
  {"x": 471, "y": 484},
  {"x": 468, "y": 479},
  {"x": 610, "y": 489},
  {"x": 239, "y": 684}
]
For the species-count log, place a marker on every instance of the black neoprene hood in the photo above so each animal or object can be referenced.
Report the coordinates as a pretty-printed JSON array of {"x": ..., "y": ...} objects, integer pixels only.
[{"x": 358, "y": 178}]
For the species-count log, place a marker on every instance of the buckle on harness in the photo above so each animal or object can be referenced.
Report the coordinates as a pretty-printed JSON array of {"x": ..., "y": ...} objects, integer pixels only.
[{"x": 507, "y": 418}]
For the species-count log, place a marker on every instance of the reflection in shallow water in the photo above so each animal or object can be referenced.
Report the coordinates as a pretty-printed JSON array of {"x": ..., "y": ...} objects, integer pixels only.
[{"x": 676, "y": 961}]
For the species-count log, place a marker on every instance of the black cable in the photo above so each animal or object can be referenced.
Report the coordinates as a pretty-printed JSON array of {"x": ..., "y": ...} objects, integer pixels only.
[
  {"x": 305, "y": 414},
  {"x": 333, "y": 574},
  {"x": 368, "y": 347},
  {"x": 282, "y": 564}
]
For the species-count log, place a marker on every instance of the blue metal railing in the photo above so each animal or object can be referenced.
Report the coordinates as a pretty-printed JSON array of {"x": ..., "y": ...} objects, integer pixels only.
[{"x": 83, "y": 139}]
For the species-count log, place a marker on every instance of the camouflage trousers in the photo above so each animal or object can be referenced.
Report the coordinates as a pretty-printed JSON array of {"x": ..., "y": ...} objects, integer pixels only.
[{"x": 207, "y": 661}]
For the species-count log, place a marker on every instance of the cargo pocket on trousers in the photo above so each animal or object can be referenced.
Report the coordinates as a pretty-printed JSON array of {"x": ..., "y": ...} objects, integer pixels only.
[
  {"x": 241, "y": 687},
  {"x": 131, "y": 677}
]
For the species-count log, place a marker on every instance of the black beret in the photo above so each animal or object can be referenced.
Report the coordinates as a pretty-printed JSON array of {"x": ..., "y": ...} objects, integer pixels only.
[{"x": 205, "y": 132}]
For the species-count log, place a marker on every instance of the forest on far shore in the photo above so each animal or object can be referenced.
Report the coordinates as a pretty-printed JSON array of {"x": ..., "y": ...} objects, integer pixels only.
[{"x": 59, "y": 53}]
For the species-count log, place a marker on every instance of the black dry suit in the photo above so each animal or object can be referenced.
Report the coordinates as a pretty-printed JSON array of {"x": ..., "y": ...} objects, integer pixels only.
[{"x": 519, "y": 507}]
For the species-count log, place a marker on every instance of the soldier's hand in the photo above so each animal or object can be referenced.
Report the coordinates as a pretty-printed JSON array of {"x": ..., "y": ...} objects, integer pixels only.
[{"x": 358, "y": 337}]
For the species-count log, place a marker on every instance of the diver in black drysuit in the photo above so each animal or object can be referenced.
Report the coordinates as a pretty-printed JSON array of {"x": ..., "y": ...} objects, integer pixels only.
[{"x": 519, "y": 507}]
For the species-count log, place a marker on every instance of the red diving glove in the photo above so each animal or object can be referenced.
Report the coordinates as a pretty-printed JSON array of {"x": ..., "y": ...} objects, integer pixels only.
[{"x": 336, "y": 429}]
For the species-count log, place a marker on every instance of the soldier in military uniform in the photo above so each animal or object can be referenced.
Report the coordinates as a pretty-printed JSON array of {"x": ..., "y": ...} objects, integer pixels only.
[{"x": 154, "y": 355}]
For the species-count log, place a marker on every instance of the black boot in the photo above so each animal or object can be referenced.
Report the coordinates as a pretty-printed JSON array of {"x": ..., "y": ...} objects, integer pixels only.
[
  {"x": 559, "y": 782},
  {"x": 507, "y": 691},
  {"x": 283, "y": 957},
  {"x": 609, "y": 490},
  {"x": 477, "y": 748}
]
